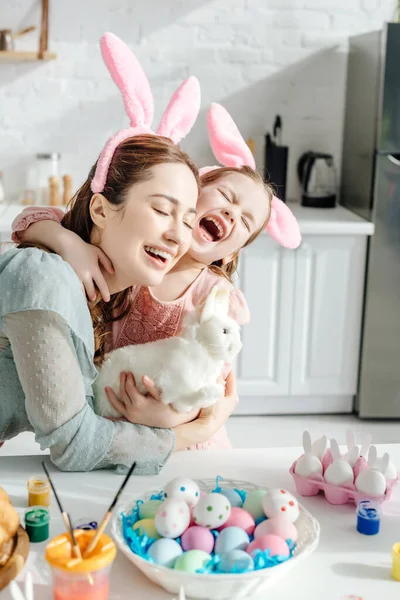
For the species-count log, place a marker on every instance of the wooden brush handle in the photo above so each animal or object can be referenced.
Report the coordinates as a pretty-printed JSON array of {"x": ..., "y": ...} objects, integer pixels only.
[{"x": 98, "y": 535}]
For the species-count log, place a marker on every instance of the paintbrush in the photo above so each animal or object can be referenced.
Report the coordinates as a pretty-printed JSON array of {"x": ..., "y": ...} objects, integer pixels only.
[
  {"x": 107, "y": 516},
  {"x": 65, "y": 516}
]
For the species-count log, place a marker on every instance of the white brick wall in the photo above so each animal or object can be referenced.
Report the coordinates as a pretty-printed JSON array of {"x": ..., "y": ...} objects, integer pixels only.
[{"x": 257, "y": 57}]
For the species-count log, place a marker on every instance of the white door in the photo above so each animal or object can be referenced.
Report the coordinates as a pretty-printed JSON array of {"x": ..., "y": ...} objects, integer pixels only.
[
  {"x": 266, "y": 273},
  {"x": 327, "y": 315}
]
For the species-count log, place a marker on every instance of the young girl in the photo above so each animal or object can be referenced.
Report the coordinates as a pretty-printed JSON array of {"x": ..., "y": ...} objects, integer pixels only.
[
  {"x": 48, "y": 333},
  {"x": 234, "y": 206}
]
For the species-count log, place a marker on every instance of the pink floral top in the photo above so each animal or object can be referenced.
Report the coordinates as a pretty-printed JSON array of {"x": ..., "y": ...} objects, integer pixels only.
[{"x": 150, "y": 319}]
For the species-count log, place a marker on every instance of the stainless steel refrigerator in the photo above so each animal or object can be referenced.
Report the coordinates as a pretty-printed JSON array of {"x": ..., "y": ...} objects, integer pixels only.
[{"x": 371, "y": 188}]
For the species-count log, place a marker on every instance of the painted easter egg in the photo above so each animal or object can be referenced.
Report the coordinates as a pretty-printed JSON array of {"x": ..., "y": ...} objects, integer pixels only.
[
  {"x": 148, "y": 509},
  {"x": 146, "y": 526},
  {"x": 235, "y": 561},
  {"x": 212, "y": 511},
  {"x": 231, "y": 538},
  {"x": 172, "y": 518},
  {"x": 233, "y": 497},
  {"x": 279, "y": 525},
  {"x": 278, "y": 501},
  {"x": 254, "y": 504},
  {"x": 240, "y": 518},
  {"x": 192, "y": 561},
  {"x": 198, "y": 538},
  {"x": 183, "y": 488},
  {"x": 165, "y": 552},
  {"x": 275, "y": 544}
]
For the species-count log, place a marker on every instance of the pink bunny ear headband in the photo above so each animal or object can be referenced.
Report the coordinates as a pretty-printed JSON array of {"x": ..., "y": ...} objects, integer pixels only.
[
  {"x": 231, "y": 150},
  {"x": 129, "y": 77}
]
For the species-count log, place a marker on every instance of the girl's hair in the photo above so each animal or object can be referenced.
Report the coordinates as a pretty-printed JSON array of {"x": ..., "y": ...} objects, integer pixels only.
[
  {"x": 227, "y": 270},
  {"x": 131, "y": 163}
]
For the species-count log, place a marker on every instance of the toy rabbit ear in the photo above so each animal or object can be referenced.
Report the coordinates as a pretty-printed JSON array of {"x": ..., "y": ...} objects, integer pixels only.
[
  {"x": 130, "y": 78},
  {"x": 226, "y": 140},
  {"x": 182, "y": 111},
  {"x": 282, "y": 225},
  {"x": 222, "y": 299}
]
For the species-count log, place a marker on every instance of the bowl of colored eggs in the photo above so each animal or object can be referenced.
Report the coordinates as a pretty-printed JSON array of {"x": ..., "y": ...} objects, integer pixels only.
[{"x": 216, "y": 538}]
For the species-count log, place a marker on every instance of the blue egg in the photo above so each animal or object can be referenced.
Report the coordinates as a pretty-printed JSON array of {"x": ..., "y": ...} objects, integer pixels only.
[
  {"x": 231, "y": 538},
  {"x": 235, "y": 561},
  {"x": 233, "y": 498},
  {"x": 165, "y": 552}
]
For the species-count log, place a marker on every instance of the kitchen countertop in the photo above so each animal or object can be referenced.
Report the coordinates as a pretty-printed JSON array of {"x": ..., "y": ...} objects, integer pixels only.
[{"x": 313, "y": 221}]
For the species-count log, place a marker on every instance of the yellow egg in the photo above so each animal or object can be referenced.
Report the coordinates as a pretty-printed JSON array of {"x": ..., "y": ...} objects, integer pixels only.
[{"x": 146, "y": 526}]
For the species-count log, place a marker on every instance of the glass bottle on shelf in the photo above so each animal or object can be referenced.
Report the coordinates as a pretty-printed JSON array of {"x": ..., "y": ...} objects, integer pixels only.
[{"x": 47, "y": 166}]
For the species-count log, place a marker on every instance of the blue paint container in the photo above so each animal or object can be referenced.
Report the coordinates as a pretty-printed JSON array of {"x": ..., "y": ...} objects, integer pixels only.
[{"x": 368, "y": 517}]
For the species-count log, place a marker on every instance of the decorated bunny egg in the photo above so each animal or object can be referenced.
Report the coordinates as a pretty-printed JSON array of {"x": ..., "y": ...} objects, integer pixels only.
[
  {"x": 212, "y": 510},
  {"x": 172, "y": 518},
  {"x": 389, "y": 471},
  {"x": 307, "y": 465},
  {"x": 339, "y": 473},
  {"x": 275, "y": 544},
  {"x": 165, "y": 552},
  {"x": 278, "y": 501},
  {"x": 280, "y": 526},
  {"x": 254, "y": 503},
  {"x": 183, "y": 488},
  {"x": 372, "y": 482}
]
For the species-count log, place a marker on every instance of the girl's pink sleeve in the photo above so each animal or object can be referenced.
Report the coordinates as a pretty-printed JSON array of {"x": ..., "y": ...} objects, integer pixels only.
[{"x": 33, "y": 214}]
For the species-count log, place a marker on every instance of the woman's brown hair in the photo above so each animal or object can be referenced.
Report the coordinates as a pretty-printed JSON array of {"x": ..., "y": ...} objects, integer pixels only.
[
  {"x": 227, "y": 270},
  {"x": 132, "y": 163}
]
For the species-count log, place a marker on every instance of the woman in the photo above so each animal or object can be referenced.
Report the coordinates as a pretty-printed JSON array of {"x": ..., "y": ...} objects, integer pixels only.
[{"x": 142, "y": 220}]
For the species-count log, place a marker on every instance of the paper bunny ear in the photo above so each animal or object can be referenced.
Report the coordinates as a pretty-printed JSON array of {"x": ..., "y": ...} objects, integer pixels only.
[
  {"x": 182, "y": 111},
  {"x": 130, "y": 78},
  {"x": 226, "y": 140},
  {"x": 283, "y": 226}
]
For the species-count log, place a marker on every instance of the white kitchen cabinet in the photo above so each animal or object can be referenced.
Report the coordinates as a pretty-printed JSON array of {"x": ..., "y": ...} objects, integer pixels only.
[
  {"x": 266, "y": 278},
  {"x": 301, "y": 349},
  {"x": 329, "y": 289}
]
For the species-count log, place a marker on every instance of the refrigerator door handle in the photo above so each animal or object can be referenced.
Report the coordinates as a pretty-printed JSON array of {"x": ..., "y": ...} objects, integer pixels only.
[{"x": 394, "y": 159}]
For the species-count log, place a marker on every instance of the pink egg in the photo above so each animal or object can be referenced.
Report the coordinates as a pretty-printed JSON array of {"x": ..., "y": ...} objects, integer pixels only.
[
  {"x": 280, "y": 526},
  {"x": 275, "y": 544},
  {"x": 240, "y": 518},
  {"x": 198, "y": 538}
]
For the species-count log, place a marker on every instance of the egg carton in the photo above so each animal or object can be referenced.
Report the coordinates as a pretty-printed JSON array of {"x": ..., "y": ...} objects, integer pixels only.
[{"x": 334, "y": 494}]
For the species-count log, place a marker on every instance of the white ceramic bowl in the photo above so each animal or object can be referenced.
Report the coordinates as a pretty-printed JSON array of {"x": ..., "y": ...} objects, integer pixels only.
[{"x": 218, "y": 586}]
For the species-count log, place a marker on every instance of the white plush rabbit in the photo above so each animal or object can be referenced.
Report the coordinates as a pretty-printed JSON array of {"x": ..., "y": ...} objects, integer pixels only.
[
  {"x": 310, "y": 462},
  {"x": 185, "y": 368},
  {"x": 340, "y": 471},
  {"x": 372, "y": 480}
]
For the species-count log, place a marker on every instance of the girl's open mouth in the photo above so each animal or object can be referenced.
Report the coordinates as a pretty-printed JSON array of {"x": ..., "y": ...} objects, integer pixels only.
[
  {"x": 159, "y": 255},
  {"x": 211, "y": 229}
]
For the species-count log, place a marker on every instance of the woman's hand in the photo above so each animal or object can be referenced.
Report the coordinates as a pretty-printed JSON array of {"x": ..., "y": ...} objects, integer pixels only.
[
  {"x": 87, "y": 260},
  {"x": 145, "y": 409},
  {"x": 210, "y": 420}
]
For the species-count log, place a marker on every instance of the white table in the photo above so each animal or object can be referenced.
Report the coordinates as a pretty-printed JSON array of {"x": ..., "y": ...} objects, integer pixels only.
[{"x": 345, "y": 562}]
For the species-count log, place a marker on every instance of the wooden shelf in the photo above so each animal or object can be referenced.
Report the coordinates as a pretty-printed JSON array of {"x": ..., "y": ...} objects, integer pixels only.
[{"x": 15, "y": 56}]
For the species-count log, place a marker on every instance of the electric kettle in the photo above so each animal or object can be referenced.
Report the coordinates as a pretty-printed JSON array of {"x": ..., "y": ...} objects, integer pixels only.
[{"x": 317, "y": 175}]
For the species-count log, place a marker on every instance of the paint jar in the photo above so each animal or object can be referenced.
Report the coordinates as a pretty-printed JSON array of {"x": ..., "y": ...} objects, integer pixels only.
[
  {"x": 39, "y": 491},
  {"x": 37, "y": 523},
  {"x": 368, "y": 517},
  {"x": 80, "y": 579},
  {"x": 396, "y": 561}
]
